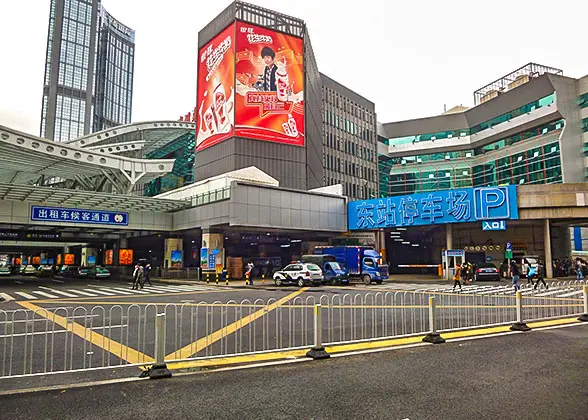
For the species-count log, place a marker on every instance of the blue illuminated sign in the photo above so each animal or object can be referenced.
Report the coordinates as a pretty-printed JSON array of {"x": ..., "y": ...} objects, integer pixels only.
[
  {"x": 439, "y": 207},
  {"x": 95, "y": 217},
  {"x": 211, "y": 261}
]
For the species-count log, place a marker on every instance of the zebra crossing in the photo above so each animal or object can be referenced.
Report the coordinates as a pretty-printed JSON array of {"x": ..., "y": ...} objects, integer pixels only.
[
  {"x": 555, "y": 290},
  {"x": 44, "y": 292}
]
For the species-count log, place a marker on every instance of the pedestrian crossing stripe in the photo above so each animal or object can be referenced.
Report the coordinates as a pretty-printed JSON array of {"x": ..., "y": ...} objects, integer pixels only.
[{"x": 98, "y": 291}]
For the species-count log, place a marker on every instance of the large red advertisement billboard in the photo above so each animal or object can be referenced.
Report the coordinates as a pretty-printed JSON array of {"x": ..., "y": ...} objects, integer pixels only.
[
  {"x": 215, "y": 97},
  {"x": 269, "y": 100}
]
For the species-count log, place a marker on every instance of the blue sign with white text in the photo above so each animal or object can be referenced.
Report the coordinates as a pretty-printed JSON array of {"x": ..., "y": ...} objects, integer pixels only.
[
  {"x": 494, "y": 225},
  {"x": 439, "y": 207},
  {"x": 95, "y": 217}
]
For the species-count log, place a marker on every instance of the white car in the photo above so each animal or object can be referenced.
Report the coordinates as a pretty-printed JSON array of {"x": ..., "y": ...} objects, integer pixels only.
[{"x": 299, "y": 274}]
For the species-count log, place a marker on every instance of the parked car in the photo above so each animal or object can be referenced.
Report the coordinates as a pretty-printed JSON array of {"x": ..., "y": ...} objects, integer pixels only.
[
  {"x": 74, "y": 272},
  {"x": 28, "y": 270},
  {"x": 332, "y": 271},
  {"x": 486, "y": 271},
  {"x": 99, "y": 273},
  {"x": 299, "y": 274},
  {"x": 44, "y": 271},
  {"x": 5, "y": 270}
]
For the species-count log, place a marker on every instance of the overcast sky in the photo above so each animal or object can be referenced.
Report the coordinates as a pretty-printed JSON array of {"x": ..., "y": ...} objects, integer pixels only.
[{"x": 409, "y": 57}]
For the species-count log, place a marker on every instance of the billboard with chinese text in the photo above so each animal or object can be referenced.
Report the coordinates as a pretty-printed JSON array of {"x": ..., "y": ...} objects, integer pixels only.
[
  {"x": 215, "y": 121},
  {"x": 269, "y": 86},
  {"x": 125, "y": 257},
  {"x": 438, "y": 207}
]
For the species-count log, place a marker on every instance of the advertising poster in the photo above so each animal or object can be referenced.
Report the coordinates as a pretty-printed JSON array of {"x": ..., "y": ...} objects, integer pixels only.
[
  {"x": 36, "y": 260},
  {"x": 215, "y": 97},
  {"x": 176, "y": 258},
  {"x": 269, "y": 85},
  {"x": 204, "y": 257},
  {"x": 58, "y": 259},
  {"x": 125, "y": 257},
  {"x": 91, "y": 259},
  {"x": 108, "y": 257},
  {"x": 69, "y": 259}
]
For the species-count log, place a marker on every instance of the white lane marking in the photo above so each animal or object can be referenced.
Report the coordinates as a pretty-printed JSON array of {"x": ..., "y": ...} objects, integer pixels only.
[
  {"x": 133, "y": 291},
  {"x": 57, "y": 281},
  {"x": 116, "y": 292},
  {"x": 100, "y": 292},
  {"x": 59, "y": 292},
  {"x": 6, "y": 297},
  {"x": 45, "y": 294},
  {"x": 152, "y": 290},
  {"x": 82, "y": 293},
  {"x": 26, "y": 295}
]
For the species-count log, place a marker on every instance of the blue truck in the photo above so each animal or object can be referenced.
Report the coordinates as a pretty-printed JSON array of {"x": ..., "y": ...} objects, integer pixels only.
[{"x": 360, "y": 262}]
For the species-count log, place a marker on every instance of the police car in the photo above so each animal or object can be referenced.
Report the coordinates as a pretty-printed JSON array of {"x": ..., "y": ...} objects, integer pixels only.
[{"x": 299, "y": 274}]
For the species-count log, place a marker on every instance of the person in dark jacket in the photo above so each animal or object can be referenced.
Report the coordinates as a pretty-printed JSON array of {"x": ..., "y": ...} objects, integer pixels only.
[
  {"x": 147, "y": 275},
  {"x": 515, "y": 273},
  {"x": 540, "y": 275},
  {"x": 269, "y": 74}
]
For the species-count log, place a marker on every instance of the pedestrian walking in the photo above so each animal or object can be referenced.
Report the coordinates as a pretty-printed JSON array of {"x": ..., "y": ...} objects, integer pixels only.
[
  {"x": 147, "y": 275},
  {"x": 136, "y": 273},
  {"x": 579, "y": 269},
  {"x": 540, "y": 275},
  {"x": 249, "y": 272},
  {"x": 457, "y": 277},
  {"x": 531, "y": 273},
  {"x": 515, "y": 273}
]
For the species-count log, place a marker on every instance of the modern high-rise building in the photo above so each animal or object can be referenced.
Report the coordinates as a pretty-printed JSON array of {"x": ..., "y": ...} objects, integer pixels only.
[
  {"x": 528, "y": 127},
  {"x": 349, "y": 140},
  {"x": 89, "y": 67}
]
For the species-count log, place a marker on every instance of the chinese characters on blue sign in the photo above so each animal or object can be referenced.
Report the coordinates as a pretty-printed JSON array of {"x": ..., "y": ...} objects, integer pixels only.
[
  {"x": 451, "y": 206},
  {"x": 96, "y": 217}
]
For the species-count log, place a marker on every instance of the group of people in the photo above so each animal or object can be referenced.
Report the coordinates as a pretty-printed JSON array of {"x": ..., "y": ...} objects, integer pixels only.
[
  {"x": 141, "y": 275},
  {"x": 464, "y": 272},
  {"x": 533, "y": 273}
]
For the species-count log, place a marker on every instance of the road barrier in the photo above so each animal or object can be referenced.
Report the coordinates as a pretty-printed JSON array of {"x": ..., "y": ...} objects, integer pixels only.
[{"x": 64, "y": 339}]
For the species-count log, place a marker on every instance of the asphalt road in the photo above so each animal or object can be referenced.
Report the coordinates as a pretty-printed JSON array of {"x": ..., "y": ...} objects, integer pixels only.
[
  {"x": 536, "y": 375},
  {"x": 30, "y": 343}
]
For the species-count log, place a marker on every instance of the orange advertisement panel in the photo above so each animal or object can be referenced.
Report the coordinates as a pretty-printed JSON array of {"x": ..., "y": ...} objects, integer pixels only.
[
  {"x": 108, "y": 257},
  {"x": 69, "y": 259},
  {"x": 215, "y": 97},
  {"x": 58, "y": 259},
  {"x": 125, "y": 256},
  {"x": 36, "y": 260},
  {"x": 269, "y": 86}
]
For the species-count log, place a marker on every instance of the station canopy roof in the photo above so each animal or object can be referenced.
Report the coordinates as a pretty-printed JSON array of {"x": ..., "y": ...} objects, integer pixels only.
[
  {"x": 81, "y": 164},
  {"x": 59, "y": 197}
]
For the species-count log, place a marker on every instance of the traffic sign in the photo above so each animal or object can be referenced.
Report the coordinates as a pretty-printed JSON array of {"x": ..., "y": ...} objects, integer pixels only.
[
  {"x": 494, "y": 225},
  {"x": 508, "y": 255},
  {"x": 508, "y": 246}
]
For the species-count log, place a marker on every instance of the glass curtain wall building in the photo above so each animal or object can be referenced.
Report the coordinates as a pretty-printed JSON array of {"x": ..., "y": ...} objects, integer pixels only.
[
  {"x": 527, "y": 131},
  {"x": 88, "y": 82}
]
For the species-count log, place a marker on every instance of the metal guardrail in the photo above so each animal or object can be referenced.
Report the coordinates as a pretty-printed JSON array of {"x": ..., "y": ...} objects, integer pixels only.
[{"x": 66, "y": 339}]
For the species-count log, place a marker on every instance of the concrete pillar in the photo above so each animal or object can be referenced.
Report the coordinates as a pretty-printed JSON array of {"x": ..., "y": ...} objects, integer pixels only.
[
  {"x": 547, "y": 242},
  {"x": 448, "y": 236}
]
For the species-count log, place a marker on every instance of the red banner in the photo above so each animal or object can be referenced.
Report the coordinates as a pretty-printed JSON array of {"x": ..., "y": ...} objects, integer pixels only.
[
  {"x": 269, "y": 85},
  {"x": 215, "y": 97}
]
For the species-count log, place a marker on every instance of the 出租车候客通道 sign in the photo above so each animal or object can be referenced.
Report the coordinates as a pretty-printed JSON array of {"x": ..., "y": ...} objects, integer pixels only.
[
  {"x": 438, "y": 207},
  {"x": 68, "y": 215}
]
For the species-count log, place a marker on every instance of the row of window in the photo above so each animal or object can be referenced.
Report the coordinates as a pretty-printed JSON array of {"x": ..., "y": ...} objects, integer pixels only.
[
  {"x": 76, "y": 10},
  {"x": 585, "y": 125},
  {"x": 349, "y": 147},
  {"x": 339, "y": 101},
  {"x": 349, "y": 168},
  {"x": 348, "y": 126},
  {"x": 540, "y": 165},
  {"x": 494, "y": 146},
  {"x": 545, "y": 101}
]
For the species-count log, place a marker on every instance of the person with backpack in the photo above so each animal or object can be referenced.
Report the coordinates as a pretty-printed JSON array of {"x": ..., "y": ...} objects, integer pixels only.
[
  {"x": 147, "y": 275},
  {"x": 137, "y": 277},
  {"x": 531, "y": 272},
  {"x": 540, "y": 275}
]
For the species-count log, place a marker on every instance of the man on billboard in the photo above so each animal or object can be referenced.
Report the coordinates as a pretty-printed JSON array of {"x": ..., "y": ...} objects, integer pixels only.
[{"x": 269, "y": 74}]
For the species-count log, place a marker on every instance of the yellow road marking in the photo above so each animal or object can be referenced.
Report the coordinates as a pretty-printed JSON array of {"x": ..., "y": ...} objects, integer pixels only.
[
  {"x": 124, "y": 352},
  {"x": 344, "y": 348},
  {"x": 192, "y": 348}
]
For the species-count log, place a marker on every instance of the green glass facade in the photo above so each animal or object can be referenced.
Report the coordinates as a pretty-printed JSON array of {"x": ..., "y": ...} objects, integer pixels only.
[
  {"x": 583, "y": 100},
  {"x": 540, "y": 163},
  {"x": 540, "y": 103},
  {"x": 182, "y": 150}
]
